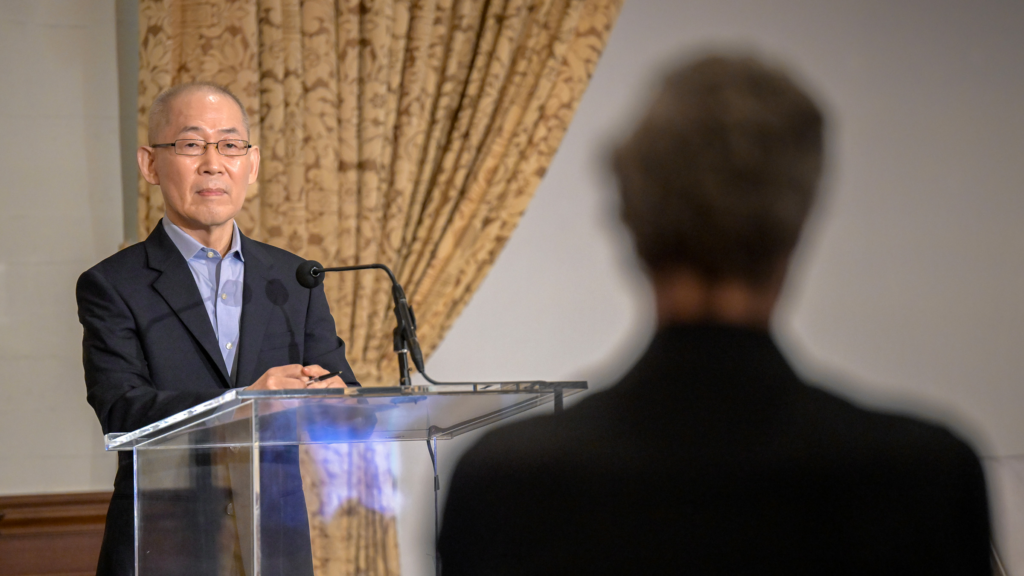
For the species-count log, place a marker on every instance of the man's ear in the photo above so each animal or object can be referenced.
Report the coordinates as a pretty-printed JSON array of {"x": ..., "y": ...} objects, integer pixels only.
[
  {"x": 146, "y": 158},
  {"x": 254, "y": 168}
]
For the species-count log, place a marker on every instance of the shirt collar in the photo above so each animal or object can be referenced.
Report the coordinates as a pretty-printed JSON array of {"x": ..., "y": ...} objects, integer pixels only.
[{"x": 189, "y": 246}]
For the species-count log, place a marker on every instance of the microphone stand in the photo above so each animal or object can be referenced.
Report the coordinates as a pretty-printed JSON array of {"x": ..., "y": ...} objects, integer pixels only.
[
  {"x": 405, "y": 319},
  {"x": 310, "y": 274},
  {"x": 402, "y": 350}
]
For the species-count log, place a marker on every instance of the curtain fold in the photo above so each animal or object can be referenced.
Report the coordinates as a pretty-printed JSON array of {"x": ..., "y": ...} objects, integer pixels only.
[{"x": 407, "y": 132}]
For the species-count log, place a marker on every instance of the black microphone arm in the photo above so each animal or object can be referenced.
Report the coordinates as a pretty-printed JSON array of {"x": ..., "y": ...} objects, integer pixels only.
[{"x": 310, "y": 274}]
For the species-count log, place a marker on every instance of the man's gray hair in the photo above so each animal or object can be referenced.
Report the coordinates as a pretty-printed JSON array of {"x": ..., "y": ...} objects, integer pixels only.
[{"x": 160, "y": 111}]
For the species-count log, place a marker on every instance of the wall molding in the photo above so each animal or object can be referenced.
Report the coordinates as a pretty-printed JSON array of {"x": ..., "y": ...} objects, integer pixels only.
[{"x": 52, "y": 534}]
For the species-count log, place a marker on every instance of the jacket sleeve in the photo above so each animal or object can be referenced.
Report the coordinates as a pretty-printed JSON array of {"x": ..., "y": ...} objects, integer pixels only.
[
  {"x": 322, "y": 345},
  {"x": 117, "y": 377}
]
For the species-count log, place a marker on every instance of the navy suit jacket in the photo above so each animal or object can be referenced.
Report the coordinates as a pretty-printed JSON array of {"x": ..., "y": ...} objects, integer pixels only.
[{"x": 150, "y": 351}]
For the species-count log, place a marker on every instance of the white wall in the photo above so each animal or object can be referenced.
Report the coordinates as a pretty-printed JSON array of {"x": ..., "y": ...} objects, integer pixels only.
[
  {"x": 60, "y": 213},
  {"x": 909, "y": 282}
]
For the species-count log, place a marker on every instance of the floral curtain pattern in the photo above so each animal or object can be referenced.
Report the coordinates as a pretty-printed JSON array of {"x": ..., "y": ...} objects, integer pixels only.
[{"x": 407, "y": 132}]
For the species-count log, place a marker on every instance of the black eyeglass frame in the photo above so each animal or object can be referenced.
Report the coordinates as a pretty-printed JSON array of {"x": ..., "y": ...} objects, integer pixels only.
[{"x": 174, "y": 146}]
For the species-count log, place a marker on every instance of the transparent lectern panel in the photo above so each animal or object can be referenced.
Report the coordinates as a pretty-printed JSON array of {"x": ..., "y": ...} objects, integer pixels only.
[
  {"x": 282, "y": 545},
  {"x": 192, "y": 496},
  {"x": 275, "y": 482},
  {"x": 211, "y": 500}
]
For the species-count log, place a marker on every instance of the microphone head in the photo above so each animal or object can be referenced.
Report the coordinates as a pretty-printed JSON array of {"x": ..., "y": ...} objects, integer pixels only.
[{"x": 310, "y": 274}]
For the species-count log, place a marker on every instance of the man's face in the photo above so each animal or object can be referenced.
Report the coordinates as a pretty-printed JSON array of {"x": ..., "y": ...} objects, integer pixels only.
[{"x": 200, "y": 192}]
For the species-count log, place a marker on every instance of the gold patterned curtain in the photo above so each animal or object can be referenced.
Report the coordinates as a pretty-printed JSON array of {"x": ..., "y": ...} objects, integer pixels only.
[
  {"x": 411, "y": 133},
  {"x": 407, "y": 132}
]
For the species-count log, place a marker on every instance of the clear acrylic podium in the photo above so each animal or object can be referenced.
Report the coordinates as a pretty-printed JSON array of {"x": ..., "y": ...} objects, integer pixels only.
[{"x": 218, "y": 488}]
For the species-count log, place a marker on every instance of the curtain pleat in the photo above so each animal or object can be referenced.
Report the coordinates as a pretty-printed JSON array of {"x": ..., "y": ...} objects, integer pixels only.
[
  {"x": 407, "y": 132},
  {"x": 576, "y": 49}
]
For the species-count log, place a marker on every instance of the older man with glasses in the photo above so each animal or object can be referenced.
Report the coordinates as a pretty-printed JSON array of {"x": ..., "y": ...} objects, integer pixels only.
[{"x": 196, "y": 309}]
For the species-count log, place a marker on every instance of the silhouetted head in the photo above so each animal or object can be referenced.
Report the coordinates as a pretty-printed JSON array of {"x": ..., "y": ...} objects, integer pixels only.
[{"x": 720, "y": 174}]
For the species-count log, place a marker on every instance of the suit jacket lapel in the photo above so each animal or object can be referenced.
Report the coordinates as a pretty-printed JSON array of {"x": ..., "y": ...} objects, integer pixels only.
[
  {"x": 178, "y": 288},
  {"x": 255, "y": 311}
]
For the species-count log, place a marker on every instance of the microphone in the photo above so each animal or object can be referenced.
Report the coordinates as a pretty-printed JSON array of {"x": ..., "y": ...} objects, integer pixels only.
[
  {"x": 407, "y": 323},
  {"x": 310, "y": 274}
]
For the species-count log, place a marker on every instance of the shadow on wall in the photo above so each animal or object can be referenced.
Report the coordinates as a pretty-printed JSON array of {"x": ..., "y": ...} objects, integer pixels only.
[{"x": 1006, "y": 498}]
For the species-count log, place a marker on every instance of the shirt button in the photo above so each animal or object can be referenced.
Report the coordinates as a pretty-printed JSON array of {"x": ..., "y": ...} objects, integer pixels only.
[
  {"x": 210, "y": 254},
  {"x": 228, "y": 345},
  {"x": 224, "y": 296}
]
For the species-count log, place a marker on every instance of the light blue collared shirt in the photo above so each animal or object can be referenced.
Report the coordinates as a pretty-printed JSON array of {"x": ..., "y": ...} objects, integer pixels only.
[{"x": 220, "y": 284}]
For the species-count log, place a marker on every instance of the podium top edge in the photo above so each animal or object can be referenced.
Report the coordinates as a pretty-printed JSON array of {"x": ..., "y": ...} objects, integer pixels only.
[
  {"x": 240, "y": 396},
  {"x": 511, "y": 386}
]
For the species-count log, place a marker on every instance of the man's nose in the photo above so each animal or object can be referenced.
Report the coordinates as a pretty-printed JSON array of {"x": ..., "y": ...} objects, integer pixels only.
[{"x": 211, "y": 161}]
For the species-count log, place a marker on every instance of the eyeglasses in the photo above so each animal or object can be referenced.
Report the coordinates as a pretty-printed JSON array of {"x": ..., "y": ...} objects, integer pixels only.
[{"x": 198, "y": 147}]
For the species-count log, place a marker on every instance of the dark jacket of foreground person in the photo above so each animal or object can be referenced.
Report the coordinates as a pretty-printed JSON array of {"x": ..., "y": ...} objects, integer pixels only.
[{"x": 712, "y": 457}]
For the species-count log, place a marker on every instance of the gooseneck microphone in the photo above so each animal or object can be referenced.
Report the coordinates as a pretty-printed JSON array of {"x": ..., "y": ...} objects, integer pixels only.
[{"x": 310, "y": 274}]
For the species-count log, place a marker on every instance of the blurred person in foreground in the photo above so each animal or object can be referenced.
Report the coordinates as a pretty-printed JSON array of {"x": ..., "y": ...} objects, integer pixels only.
[{"x": 712, "y": 456}]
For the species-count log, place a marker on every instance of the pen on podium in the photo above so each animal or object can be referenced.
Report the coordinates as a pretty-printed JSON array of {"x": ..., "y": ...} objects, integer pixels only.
[{"x": 327, "y": 376}]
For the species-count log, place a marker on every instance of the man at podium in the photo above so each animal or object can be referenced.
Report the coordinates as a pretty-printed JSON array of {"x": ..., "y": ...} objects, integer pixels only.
[
  {"x": 712, "y": 456},
  {"x": 198, "y": 308}
]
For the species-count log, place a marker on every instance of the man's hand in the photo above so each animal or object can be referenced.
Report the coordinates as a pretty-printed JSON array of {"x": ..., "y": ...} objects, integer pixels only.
[
  {"x": 295, "y": 376},
  {"x": 314, "y": 371}
]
